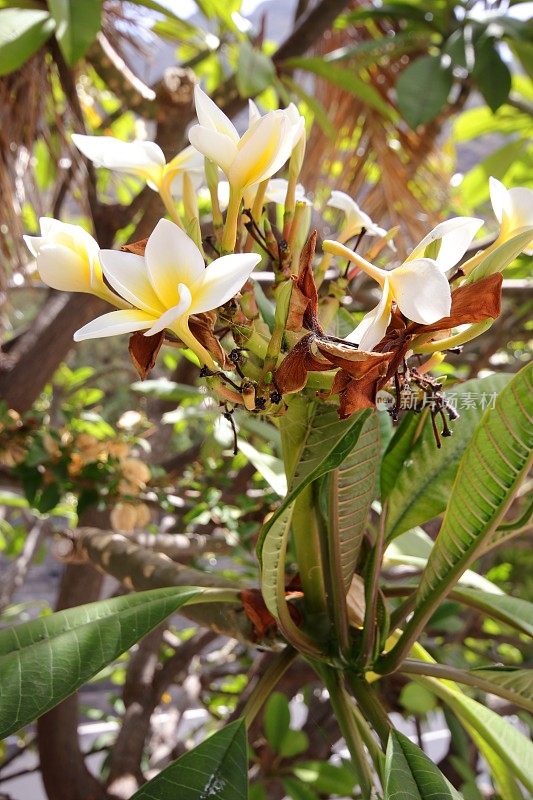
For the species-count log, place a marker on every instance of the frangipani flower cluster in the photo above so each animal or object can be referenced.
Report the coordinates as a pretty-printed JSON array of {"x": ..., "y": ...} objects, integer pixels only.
[{"x": 258, "y": 346}]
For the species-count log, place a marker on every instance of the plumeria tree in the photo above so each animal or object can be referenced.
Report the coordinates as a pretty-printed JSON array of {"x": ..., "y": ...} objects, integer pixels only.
[{"x": 256, "y": 303}]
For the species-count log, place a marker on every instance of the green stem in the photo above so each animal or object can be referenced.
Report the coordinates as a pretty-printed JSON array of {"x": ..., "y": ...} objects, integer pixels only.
[
  {"x": 472, "y": 332},
  {"x": 267, "y": 682},
  {"x": 412, "y": 667},
  {"x": 229, "y": 234},
  {"x": 182, "y": 330},
  {"x": 372, "y": 592},
  {"x": 343, "y": 710},
  {"x": 371, "y": 707},
  {"x": 168, "y": 201},
  {"x": 306, "y": 537}
]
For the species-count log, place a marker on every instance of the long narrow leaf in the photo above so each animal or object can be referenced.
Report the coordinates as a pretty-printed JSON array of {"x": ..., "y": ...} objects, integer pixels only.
[
  {"x": 217, "y": 767},
  {"x": 47, "y": 659},
  {"x": 327, "y": 443},
  {"x": 352, "y": 490}
]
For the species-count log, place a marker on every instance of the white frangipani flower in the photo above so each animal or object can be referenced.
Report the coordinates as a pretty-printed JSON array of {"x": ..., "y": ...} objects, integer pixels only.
[
  {"x": 277, "y": 191},
  {"x": 419, "y": 287},
  {"x": 513, "y": 209},
  {"x": 143, "y": 159},
  {"x": 452, "y": 239},
  {"x": 167, "y": 285},
  {"x": 67, "y": 259},
  {"x": 355, "y": 218},
  {"x": 248, "y": 159}
]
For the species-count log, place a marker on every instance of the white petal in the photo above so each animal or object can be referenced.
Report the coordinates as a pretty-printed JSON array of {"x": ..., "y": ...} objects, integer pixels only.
[
  {"x": 114, "y": 324},
  {"x": 499, "y": 198},
  {"x": 210, "y": 116},
  {"x": 221, "y": 281},
  {"x": 218, "y": 147},
  {"x": 196, "y": 178},
  {"x": 455, "y": 236},
  {"x": 277, "y": 191},
  {"x": 356, "y": 219},
  {"x": 189, "y": 160},
  {"x": 373, "y": 326},
  {"x": 223, "y": 195},
  {"x": 128, "y": 275},
  {"x": 263, "y": 149},
  {"x": 421, "y": 290},
  {"x": 520, "y": 208},
  {"x": 105, "y": 151},
  {"x": 64, "y": 269},
  {"x": 174, "y": 313},
  {"x": 171, "y": 258},
  {"x": 253, "y": 113},
  {"x": 33, "y": 243}
]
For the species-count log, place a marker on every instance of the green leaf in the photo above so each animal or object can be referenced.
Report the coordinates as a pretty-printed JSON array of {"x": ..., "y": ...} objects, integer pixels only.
[
  {"x": 513, "y": 611},
  {"x": 397, "y": 451},
  {"x": 474, "y": 188},
  {"x": 502, "y": 256},
  {"x": 524, "y": 52},
  {"x": 422, "y": 90},
  {"x": 489, "y": 473},
  {"x": 352, "y": 488},
  {"x": 413, "y": 548},
  {"x": 277, "y": 720},
  {"x": 23, "y": 31},
  {"x": 417, "y": 699},
  {"x": 417, "y": 475},
  {"x": 327, "y": 442},
  {"x": 315, "y": 106},
  {"x": 268, "y": 466},
  {"x": 77, "y": 26},
  {"x": 218, "y": 767},
  {"x": 298, "y": 790},
  {"x": 47, "y": 659},
  {"x": 293, "y": 744},
  {"x": 512, "y": 683},
  {"x": 326, "y": 778},
  {"x": 411, "y": 775},
  {"x": 344, "y": 78},
  {"x": 496, "y": 733},
  {"x": 491, "y": 74},
  {"x": 255, "y": 70}
]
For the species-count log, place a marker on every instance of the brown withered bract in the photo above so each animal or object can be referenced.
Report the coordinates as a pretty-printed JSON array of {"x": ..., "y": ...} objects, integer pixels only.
[
  {"x": 137, "y": 248},
  {"x": 144, "y": 350},
  {"x": 361, "y": 375},
  {"x": 303, "y": 308},
  {"x": 471, "y": 303},
  {"x": 264, "y": 623},
  {"x": 202, "y": 327},
  {"x": 318, "y": 352}
]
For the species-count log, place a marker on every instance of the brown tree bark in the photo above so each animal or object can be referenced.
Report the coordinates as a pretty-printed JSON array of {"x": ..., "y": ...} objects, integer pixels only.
[{"x": 63, "y": 769}]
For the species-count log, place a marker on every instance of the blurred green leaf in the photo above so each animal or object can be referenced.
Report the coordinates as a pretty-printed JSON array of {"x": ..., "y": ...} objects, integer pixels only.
[
  {"x": 345, "y": 79},
  {"x": 77, "y": 25},
  {"x": 255, "y": 70},
  {"x": 277, "y": 719},
  {"x": 422, "y": 90},
  {"x": 491, "y": 74},
  {"x": 326, "y": 778},
  {"x": 23, "y": 31},
  {"x": 417, "y": 699},
  {"x": 293, "y": 744}
]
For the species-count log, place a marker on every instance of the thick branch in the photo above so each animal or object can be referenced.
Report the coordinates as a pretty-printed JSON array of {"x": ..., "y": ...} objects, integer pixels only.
[{"x": 141, "y": 569}]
